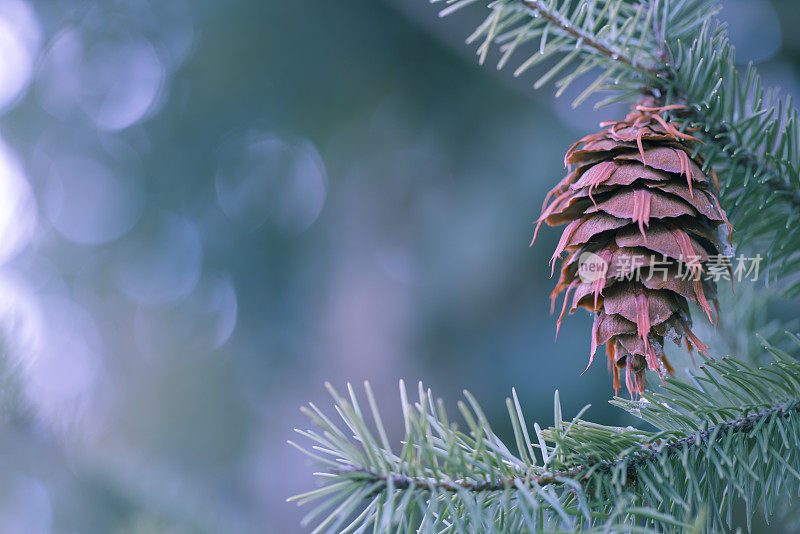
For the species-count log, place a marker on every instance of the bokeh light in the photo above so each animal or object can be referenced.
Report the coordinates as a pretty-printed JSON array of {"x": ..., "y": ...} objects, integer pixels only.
[
  {"x": 202, "y": 322},
  {"x": 20, "y": 38},
  {"x": 261, "y": 177},
  {"x": 162, "y": 265},
  {"x": 61, "y": 376},
  {"x": 17, "y": 206},
  {"x": 115, "y": 83},
  {"x": 90, "y": 204}
]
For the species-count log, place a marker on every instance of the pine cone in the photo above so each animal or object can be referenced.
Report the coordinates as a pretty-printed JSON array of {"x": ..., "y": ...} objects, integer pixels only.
[{"x": 641, "y": 227}]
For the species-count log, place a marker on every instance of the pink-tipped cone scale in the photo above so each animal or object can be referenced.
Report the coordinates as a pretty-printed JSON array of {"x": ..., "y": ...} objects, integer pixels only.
[{"x": 642, "y": 224}]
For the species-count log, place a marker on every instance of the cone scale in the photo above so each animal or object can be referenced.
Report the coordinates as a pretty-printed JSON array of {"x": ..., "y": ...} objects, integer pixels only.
[{"x": 642, "y": 225}]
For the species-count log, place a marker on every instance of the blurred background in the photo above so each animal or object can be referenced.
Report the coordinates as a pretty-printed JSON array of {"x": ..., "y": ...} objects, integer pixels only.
[{"x": 208, "y": 209}]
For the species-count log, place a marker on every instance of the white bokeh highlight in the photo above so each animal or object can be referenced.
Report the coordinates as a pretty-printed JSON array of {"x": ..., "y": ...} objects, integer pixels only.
[
  {"x": 20, "y": 40},
  {"x": 17, "y": 206},
  {"x": 61, "y": 376},
  {"x": 88, "y": 203},
  {"x": 115, "y": 82}
]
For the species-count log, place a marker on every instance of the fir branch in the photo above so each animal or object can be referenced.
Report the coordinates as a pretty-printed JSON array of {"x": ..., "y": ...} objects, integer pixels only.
[
  {"x": 676, "y": 51},
  {"x": 732, "y": 434},
  {"x": 402, "y": 481},
  {"x": 539, "y": 8},
  {"x": 646, "y": 453}
]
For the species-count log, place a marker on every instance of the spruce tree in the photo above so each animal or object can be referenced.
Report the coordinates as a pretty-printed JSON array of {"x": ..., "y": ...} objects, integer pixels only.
[{"x": 705, "y": 149}]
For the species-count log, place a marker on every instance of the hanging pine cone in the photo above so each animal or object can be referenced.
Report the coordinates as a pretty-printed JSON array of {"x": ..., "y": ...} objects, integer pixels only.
[{"x": 641, "y": 230}]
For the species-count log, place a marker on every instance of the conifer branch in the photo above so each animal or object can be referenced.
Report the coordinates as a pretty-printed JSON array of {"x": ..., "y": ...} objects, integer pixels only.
[
  {"x": 539, "y": 8},
  {"x": 733, "y": 434},
  {"x": 647, "y": 453},
  {"x": 402, "y": 481}
]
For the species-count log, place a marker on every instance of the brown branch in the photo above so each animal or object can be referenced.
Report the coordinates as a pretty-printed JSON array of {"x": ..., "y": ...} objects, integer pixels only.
[
  {"x": 537, "y": 9},
  {"x": 403, "y": 481},
  {"x": 741, "y": 425}
]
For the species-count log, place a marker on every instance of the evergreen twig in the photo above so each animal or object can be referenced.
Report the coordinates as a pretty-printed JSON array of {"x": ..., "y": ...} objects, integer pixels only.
[
  {"x": 733, "y": 435},
  {"x": 540, "y": 8},
  {"x": 646, "y": 453}
]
